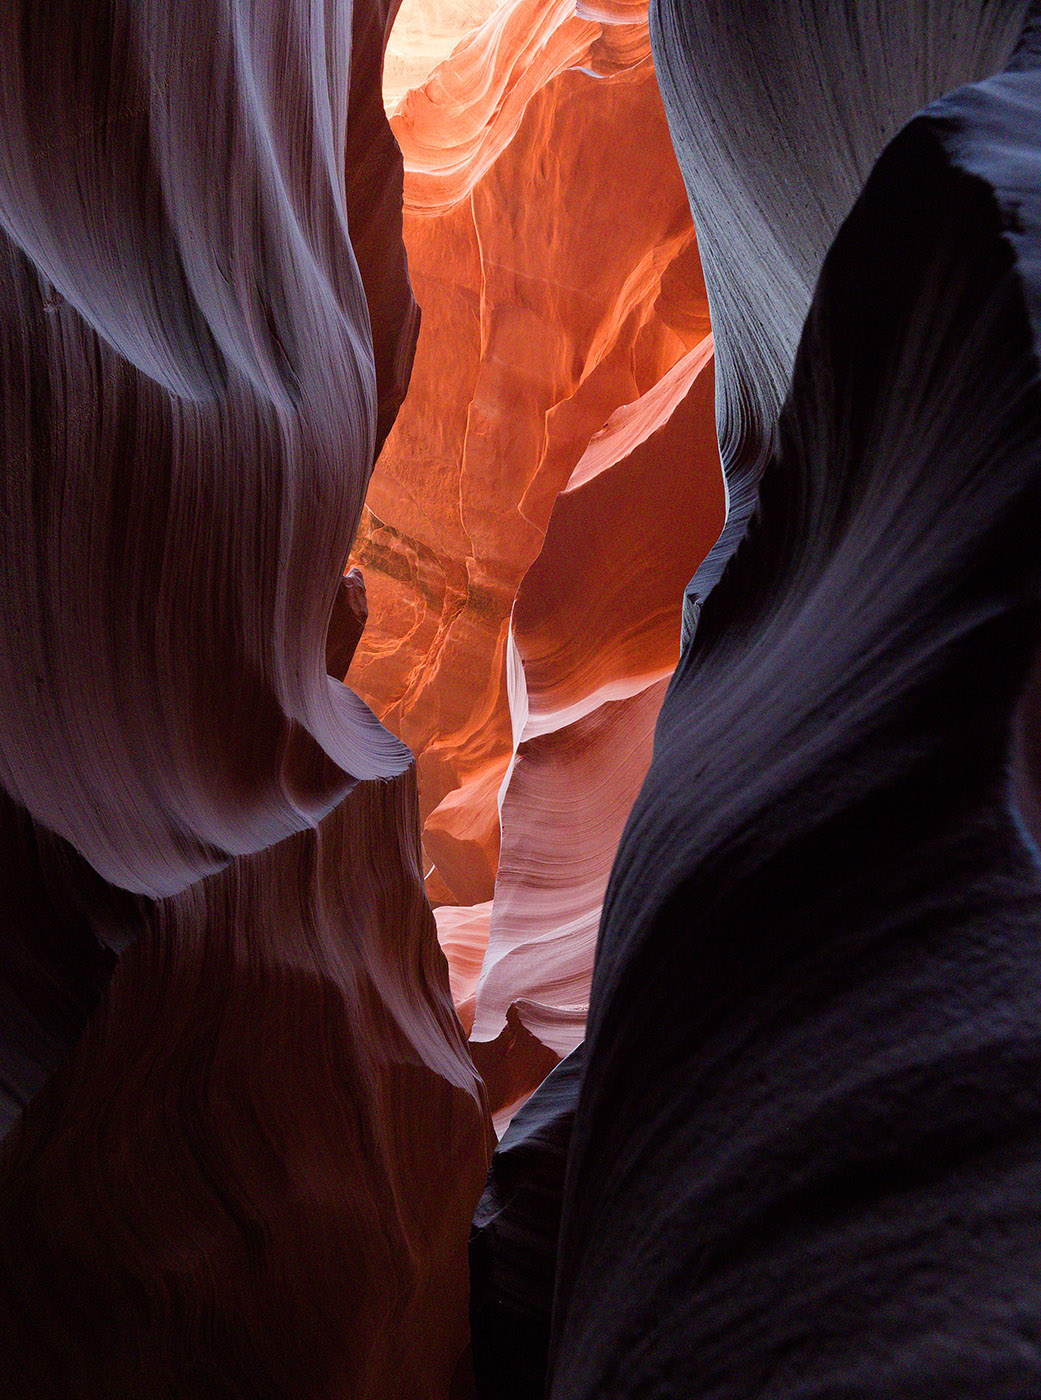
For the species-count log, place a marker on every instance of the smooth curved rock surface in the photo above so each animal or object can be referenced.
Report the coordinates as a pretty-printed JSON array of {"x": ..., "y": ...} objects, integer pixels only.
[
  {"x": 805, "y": 1160},
  {"x": 594, "y": 638},
  {"x": 193, "y": 395},
  {"x": 566, "y": 356},
  {"x": 424, "y": 34},
  {"x": 462, "y": 933},
  {"x": 538, "y": 328},
  {"x": 254, "y": 1174},
  {"x": 194, "y": 390},
  {"x": 778, "y": 113},
  {"x": 453, "y": 128},
  {"x": 595, "y": 635}
]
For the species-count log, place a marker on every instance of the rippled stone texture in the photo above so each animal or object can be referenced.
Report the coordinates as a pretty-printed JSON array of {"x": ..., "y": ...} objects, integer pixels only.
[
  {"x": 778, "y": 113},
  {"x": 255, "y": 1172},
  {"x": 193, "y": 396},
  {"x": 424, "y": 34},
  {"x": 594, "y": 637},
  {"x": 532, "y": 469},
  {"x": 513, "y": 1249},
  {"x": 805, "y": 1158}
]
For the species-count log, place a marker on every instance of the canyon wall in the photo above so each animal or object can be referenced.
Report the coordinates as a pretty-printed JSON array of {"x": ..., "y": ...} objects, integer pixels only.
[
  {"x": 736, "y": 880},
  {"x": 253, "y": 1174},
  {"x": 522, "y": 540},
  {"x": 801, "y": 1145}
]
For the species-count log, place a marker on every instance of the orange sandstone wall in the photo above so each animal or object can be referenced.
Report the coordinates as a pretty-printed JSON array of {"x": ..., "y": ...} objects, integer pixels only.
[{"x": 541, "y": 464}]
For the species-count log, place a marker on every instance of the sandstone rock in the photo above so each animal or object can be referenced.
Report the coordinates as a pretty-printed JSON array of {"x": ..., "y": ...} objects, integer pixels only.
[
  {"x": 254, "y": 1174},
  {"x": 805, "y": 1154}
]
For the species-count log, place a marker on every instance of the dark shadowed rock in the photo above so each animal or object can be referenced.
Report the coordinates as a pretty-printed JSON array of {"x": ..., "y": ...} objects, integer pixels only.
[
  {"x": 807, "y": 1153},
  {"x": 513, "y": 1248}
]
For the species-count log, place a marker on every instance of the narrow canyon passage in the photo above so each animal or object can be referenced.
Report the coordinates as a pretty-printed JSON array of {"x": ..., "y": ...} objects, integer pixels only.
[
  {"x": 550, "y": 486},
  {"x": 518, "y": 795}
]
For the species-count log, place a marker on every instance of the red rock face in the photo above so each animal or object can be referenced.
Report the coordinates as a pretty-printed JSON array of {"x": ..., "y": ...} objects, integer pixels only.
[
  {"x": 594, "y": 638},
  {"x": 542, "y": 464},
  {"x": 256, "y": 1174}
]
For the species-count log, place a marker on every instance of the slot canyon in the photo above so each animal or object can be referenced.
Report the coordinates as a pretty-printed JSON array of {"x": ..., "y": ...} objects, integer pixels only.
[{"x": 521, "y": 665}]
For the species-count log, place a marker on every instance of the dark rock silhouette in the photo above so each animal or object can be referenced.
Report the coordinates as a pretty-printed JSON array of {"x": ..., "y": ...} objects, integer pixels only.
[
  {"x": 778, "y": 113},
  {"x": 513, "y": 1248},
  {"x": 818, "y": 1174}
]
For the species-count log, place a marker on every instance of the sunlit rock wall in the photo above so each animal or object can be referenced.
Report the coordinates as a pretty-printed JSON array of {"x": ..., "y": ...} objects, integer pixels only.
[{"x": 555, "y": 459}]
